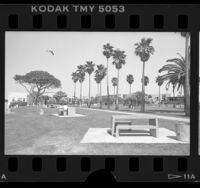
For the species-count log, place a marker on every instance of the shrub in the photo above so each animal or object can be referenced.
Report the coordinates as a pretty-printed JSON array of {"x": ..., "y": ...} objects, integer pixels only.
[{"x": 19, "y": 103}]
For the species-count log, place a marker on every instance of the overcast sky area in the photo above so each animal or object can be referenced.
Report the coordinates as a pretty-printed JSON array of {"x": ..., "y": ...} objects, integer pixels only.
[{"x": 26, "y": 51}]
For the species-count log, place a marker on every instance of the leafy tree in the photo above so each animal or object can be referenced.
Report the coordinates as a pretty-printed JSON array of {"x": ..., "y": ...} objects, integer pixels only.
[
  {"x": 114, "y": 83},
  {"x": 75, "y": 79},
  {"x": 81, "y": 77},
  {"x": 130, "y": 80},
  {"x": 59, "y": 95},
  {"x": 100, "y": 74},
  {"x": 37, "y": 82},
  {"x": 107, "y": 52},
  {"x": 118, "y": 60},
  {"x": 144, "y": 50},
  {"x": 89, "y": 68}
]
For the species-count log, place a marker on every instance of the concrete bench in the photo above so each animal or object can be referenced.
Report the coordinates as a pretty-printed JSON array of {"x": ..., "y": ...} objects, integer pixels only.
[
  {"x": 152, "y": 129},
  {"x": 126, "y": 122},
  {"x": 121, "y": 122}
]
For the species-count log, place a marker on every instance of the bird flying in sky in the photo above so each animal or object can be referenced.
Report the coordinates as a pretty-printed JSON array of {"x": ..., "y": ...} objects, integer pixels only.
[{"x": 50, "y": 51}]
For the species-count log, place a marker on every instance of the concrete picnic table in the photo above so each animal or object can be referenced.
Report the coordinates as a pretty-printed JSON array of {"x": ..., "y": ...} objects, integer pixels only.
[{"x": 127, "y": 120}]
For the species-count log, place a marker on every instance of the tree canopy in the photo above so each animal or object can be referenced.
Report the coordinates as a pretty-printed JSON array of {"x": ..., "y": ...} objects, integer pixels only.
[
  {"x": 38, "y": 82},
  {"x": 74, "y": 77},
  {"x": 114, "y": 81},
  {"x": 107, "y": 50},
  {"x": 130, "y": 78},
  {"x": 100, "y": 73},
  {"x": 175, "y": 72},
  {"x": 59, "y": 95},
  {"x": 144, "y": 49},
  {"x": 119, "y": 58},
  {"x": 81, "y": 73},
  {"x": 159, "y": 81},
  {"x": 146, "y": 80},
  {"x": 89, "y": 67}
]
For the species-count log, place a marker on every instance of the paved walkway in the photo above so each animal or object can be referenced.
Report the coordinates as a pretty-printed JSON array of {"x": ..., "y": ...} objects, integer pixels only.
[{"x": 184, "y": 119}]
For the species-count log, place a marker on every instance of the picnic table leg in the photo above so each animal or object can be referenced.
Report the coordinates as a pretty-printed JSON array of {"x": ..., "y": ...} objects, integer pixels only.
[
  {"x": 112, "y": 126},
  {"x": 153, "y": 132},
  {"x": 117, "y": 132},
  {"x": 157, "y": 128}
]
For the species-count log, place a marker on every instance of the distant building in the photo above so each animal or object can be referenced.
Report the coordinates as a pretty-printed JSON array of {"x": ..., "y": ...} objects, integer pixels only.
[{"x": 17, "y": 96}]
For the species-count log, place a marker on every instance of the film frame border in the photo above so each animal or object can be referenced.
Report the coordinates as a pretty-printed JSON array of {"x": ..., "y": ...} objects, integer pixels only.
[{"x": 150, "y": 18}]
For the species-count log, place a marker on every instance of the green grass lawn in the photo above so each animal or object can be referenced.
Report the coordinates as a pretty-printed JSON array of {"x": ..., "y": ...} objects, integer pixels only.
[{"x": 26, "y": 132}]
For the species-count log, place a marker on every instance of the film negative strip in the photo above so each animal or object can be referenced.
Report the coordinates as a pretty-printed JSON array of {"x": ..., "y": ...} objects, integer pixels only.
[{"x": 98, "y": 90}]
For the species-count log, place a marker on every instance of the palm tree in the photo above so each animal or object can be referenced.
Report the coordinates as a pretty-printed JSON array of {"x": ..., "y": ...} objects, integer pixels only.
[
  {"x": 98, "y": 81},
  {"x": 81, "y": 78},
  {"x": 118, "y": 60},
  {"x": 130, "y": 80},
  {"x": 107, "y": 52},
  {"x": 100, "y": 74},
  {"x": 144, "y": 50},
  {"x": 159, "y": 82},
  {"x": 186, "y": 35},
  {"x": 146, "y": 80},
  {"x": 114, "y": 83},
  {"x": 176, "y": 74},
  {"x": 89, "y": 68},
  {"x": 75, "y": 79}
]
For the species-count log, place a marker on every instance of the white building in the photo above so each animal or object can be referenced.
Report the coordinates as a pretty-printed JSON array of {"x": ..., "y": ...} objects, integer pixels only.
[{"x": 16, "y": 96}]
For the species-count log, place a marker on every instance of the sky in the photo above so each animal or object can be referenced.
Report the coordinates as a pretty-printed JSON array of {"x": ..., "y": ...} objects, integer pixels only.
[{"x": 27, "y": 51}]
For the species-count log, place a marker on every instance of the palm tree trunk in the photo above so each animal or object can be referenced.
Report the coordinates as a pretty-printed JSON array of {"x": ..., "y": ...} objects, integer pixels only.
[
  {"x": 117, "y": 98},
  {"x": 130, "y": 89},
  {"x": 143, "y": 89},
  {"x": 36, "y": 99},
  {"x": 100, "y": 97},
  {"x": 108, "y": 96},
  {"x": 74, "y": 92},
  {"x": 187, "y": 77},
  {"x": 97, "y": 90},
  {"x": 89, "y": 91},
  {"x": 114, "y": 95},
  {"x": 159, "y": 97},
  {"x": 98, "y": 100},
  {"x": 80, "y": 94}
]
